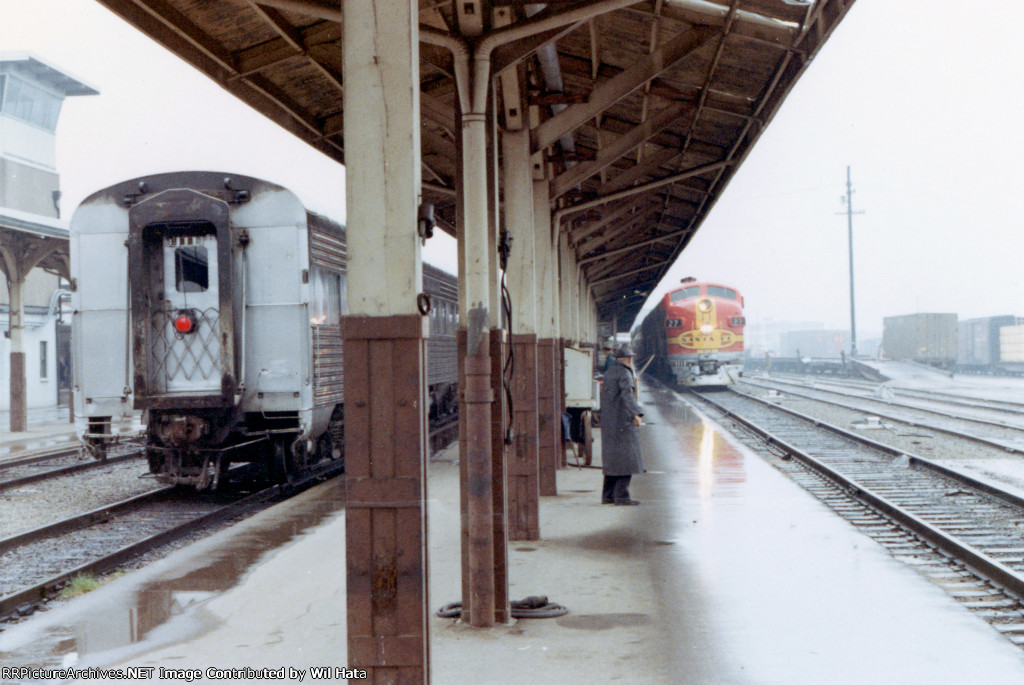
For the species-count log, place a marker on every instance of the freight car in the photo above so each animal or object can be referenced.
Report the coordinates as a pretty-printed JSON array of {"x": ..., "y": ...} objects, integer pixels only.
[
  {"x": 212, "y": 303},
  {"x": 924, "y": 338},
  {"x": 695, "y": 334},
  {"x": 978, "y": 348}
]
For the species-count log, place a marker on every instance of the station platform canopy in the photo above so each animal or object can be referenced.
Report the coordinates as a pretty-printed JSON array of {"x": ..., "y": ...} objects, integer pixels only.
[
  {"x": 644, "y": 110},
  {"x": 30, "y": 240}
]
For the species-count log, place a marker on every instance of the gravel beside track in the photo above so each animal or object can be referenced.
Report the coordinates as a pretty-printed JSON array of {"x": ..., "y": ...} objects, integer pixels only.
[
  {"x": 912, "y": 439},
  {"x": 46, "y": 501},
  {"x": 36, "y": 561}
]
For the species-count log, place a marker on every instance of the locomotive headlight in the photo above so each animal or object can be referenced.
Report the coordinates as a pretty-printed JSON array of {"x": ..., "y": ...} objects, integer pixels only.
[
  {"x": 704, "y": 305},
  {"x": 185, "y": 322},
  {"x": 706, "y": 329}
]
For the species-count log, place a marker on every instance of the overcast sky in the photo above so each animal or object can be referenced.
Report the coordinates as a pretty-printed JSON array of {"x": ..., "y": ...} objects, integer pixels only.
[{"x": 919, "y": 97}]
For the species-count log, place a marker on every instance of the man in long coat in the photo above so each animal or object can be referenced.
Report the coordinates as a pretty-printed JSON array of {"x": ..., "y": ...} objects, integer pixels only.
[{"x": 620, "y": 429}]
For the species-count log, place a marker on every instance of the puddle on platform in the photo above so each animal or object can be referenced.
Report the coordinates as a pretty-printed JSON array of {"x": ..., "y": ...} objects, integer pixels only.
[
  {"x": 162, "y": 610},
  {"x": 603, "y": 621},
  {"x": 18, "y": 448}
]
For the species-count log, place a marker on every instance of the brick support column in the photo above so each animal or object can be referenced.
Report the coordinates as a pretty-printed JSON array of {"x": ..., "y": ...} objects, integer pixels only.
[
  {"x": 19, "y": 403},
  {"x": 548, "y": 419},
  {"x": 499, "y": 455},
  {"x": 523, "y": 464},
  {"x": 385, "y": 461},
  {"x": 385, "y": 347},
  {"x": 560, "y": 397},
  {"x": 498, "y": 540}
]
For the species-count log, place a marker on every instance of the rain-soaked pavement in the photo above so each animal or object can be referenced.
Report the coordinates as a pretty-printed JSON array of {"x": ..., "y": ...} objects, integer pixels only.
[
  {"x": 726, "y": 573},
  {"x": 160, "y": 606},
  {"x": 46, "y": 427},
  {"x": 765, "y": 585}
]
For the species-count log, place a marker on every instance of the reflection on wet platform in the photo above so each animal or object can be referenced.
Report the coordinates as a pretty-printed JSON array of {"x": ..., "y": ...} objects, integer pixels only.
[{"x": 161, "y": 609}]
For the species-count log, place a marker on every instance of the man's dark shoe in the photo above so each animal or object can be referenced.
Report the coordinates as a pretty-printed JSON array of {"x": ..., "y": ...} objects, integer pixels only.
[
  {"x": 628, "y": 503},
  {"x": 607, "y": 501}
]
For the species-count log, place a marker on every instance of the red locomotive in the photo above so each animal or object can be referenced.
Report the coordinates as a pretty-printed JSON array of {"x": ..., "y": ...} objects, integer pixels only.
[{"x": 696, "y": 332}]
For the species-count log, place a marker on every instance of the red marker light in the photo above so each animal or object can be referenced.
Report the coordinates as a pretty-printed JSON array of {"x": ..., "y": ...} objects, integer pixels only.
[{"x": 183, "y": 323}]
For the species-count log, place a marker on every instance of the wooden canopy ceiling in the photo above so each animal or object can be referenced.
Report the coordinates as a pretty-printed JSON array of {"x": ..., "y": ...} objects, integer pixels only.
[{"x": 647, "y": 114}]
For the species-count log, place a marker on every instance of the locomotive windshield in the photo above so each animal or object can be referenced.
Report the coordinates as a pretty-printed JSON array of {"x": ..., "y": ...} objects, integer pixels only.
[
  {"x": 719, "y": 291},
  {"x": 686, "y": 293},
  {"x": 191, "y": 269}
]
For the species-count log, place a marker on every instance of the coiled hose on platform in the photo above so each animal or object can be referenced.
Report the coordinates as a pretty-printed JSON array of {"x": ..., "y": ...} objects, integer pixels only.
[{"x": 531, "y": 607}]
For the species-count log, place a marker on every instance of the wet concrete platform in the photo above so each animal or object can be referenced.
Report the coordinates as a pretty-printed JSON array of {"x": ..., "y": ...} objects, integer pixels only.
[
  {"x": 726, "y": 573},
  {"x": 46, "y": 427}
]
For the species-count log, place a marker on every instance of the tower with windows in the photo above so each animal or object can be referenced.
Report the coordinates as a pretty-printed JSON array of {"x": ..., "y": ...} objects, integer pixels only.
[{"x": 34, "y": 367}]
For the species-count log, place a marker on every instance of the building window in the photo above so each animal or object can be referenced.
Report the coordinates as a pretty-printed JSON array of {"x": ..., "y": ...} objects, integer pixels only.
[
  {"x": 42, "y": 360},
  {"x": 24, "y": 101}
]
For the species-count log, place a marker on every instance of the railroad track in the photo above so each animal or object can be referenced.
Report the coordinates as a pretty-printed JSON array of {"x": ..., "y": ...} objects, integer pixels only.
[
  {"x": 868, "y": 388},
  {"x": 35, "y": 565},
  {"x": 37, "y": 467},
  {"x": 994, "y": 433},
  {"x": 965, "y": 535}
]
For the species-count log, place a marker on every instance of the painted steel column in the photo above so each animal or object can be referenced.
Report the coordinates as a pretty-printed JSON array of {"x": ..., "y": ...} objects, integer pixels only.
[
  {"x": 475, "y": 406},
  {"x": 499, "y": 349},
  {"x": 548, "y": 419},
  {"x": 523, "y": 466},
  {"x": 385, "y": 347}
]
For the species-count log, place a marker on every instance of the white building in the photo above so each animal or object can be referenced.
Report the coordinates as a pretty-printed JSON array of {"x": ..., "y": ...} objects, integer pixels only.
[{"x": 31, "y": 95}]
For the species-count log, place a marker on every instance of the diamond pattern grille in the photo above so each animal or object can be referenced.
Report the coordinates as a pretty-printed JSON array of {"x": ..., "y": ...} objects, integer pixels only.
[{"x": 185, "y": 357}]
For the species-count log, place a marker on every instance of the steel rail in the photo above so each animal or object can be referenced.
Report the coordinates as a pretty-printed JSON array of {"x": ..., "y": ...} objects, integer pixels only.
[
  {"x": 911, "y": 422},
  {"x": 913, "y": 393},
  {"x": 84, "y": 520},
  {"x": 19, "y": 601},
  {"x": 65, "y": 470},
  {"x": 847, "y": 386},
  {"x": 976, "y": 560},
  {"x": 36, "y": 457},
  {"x": 914, "y": 459}
]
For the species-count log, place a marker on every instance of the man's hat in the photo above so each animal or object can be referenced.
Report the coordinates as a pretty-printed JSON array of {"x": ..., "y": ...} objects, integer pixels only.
[{"x": 624, "y": 351}]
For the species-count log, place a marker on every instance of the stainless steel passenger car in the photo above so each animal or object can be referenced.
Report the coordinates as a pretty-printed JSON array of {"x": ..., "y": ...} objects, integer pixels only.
[{"x": 211, "y": 303}]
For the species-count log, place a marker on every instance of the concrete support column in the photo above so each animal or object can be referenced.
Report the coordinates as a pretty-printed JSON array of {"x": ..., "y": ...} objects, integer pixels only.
[
  {"x": 385, "y": 347},
  {"x": 523, "y": 465},
  {"x": 569, "y": 305},
  {"x": 548, "y": 415}
]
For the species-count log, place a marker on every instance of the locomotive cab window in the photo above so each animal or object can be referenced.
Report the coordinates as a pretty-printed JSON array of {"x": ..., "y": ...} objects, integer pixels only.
[
  {"x": 724, "y": 293},
  {"x": 686, "y": 293},
  {"x": 191, "y": 269}
]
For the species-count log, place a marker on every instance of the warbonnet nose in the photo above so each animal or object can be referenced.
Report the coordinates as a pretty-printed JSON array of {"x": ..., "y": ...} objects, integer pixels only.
[{"x": 180, "y": 266}]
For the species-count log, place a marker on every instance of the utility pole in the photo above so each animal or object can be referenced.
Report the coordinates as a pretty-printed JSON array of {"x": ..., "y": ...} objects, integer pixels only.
[{"x": 848, "y": 200}]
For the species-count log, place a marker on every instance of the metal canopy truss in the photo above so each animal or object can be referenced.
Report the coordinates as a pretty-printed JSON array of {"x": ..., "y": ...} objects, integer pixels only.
[
  {"x": 28, "y": 241},
  {"x": 659, "y": 103}
]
